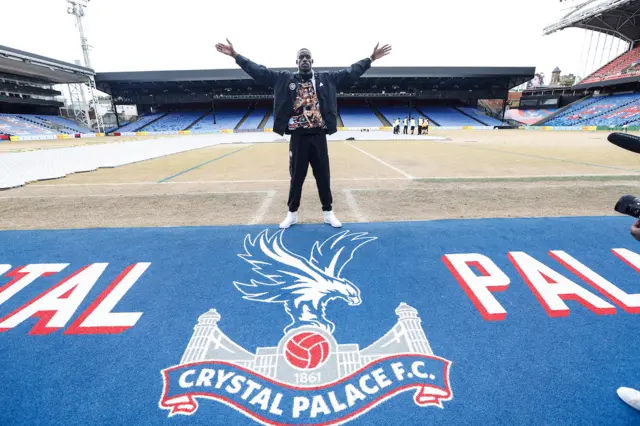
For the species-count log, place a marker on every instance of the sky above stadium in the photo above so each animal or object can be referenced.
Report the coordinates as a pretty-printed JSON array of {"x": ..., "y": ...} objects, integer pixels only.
[{"x": 142, "y": 35}]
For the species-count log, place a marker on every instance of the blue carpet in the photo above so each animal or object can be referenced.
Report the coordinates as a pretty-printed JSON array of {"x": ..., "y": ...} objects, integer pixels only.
[{"x": 528, "y": 368}]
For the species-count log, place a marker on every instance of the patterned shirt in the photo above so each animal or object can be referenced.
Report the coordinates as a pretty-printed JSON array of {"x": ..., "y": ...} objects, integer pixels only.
[{"x": 306, "y": 109}]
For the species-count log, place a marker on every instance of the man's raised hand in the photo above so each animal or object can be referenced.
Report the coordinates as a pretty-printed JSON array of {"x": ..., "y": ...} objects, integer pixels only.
[
  {"x": 379, "y": 52},
  {"x": 227, "y": 49}
]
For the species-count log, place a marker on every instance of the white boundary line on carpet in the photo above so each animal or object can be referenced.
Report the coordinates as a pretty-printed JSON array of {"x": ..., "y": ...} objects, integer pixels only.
[
  {"x": 353, "y": 205},
  {"x": 384, "y": 163},
  {"x": 264, "y": 207}
]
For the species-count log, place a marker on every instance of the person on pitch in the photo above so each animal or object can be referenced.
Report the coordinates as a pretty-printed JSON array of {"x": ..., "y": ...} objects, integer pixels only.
[{"x": 305, "y": 106}]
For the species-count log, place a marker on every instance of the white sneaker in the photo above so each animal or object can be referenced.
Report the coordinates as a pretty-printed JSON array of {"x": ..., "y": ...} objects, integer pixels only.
[
  {"x": 330, "y": 218},
  {"x": 630, "y": 396},
  {"x": 291, "y": 219}
]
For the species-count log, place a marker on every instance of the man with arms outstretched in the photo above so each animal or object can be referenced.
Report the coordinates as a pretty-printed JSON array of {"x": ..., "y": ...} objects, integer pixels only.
[{"x": 305, "y": 106}]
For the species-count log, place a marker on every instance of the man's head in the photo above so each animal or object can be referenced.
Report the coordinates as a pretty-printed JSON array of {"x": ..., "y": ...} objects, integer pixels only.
[{"x": 304, "y": 61}]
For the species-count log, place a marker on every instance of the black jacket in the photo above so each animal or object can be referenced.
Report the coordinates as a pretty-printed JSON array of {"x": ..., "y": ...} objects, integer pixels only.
[{"x": 285, "y": 89}]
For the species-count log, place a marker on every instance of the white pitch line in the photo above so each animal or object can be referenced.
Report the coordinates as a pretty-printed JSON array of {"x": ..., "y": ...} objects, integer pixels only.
[
  {"x": 408, "y": 176},
  {"x": 264, "y": 207},
  {"x": 210, "y": 181},
  {"x": 10, "y": 197},
  {"x": 353, "y": 205}
]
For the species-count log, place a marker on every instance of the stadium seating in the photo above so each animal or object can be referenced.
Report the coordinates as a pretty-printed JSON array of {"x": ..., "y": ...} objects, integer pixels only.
[
  {"x": 141, "y": 122},
  {"x": 269, "y": 124},
  {"x": 528, "y": 116},
  {"x": 489, "y": 121},
  {"x": 621, "y": 116},
  {"x": 254, "y": 119},
  {"x": 359, "y": 117},
  {"x": 11, "y": 124},
  {"x": 174, "y": 121},
  {"x": 448, "y": 116},
  {"x": 225, "y": 119},
  {"x": 625, "y": 65},
  {"x": 585, "y": 114},
  {"x": 63, "y": 123}
]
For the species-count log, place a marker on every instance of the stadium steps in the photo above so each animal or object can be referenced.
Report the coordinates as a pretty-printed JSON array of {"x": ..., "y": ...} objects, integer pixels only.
[
  {"x": 151, "y": 122},
  {"x": 198, "y": 120},
  {"x": 431, "y": 120},
  {"x": 609, "y": 111},
  {"x": 340, "y": 122},
  {"x": 45, "y": 123},
  {"x": 471, "y": 117},
  {"x": 561, "y": 112},
  {"x": 381, "y": 117},
  {"x": 265, "y": 119},
  {"x": 242, "y": 120}
]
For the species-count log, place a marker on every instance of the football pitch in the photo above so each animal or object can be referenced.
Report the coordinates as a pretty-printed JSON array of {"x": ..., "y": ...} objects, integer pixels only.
[{"x": 480, "y": 277}]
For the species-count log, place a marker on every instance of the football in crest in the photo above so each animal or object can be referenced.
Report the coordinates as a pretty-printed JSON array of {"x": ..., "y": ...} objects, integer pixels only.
[{"x": 307, "y": 350}]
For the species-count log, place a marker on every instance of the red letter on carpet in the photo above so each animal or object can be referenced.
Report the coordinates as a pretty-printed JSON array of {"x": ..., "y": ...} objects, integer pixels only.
[
  {"x": 479, "y": 288},
  {"x": 98, "y": 318},
  {"x": 551, "y": 288},
  {"x": 25, "y": 275},
  {"x": 57, "y": 305},
  {"x": 628, "y": 302}
]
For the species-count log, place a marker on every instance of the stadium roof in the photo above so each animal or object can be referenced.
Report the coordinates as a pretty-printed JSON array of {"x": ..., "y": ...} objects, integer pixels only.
[
  {"x": 41, "y": 68},
  {"x": 620, "y": 18},
  {"x": 137, "y": 87},
  {"x": 375, "y": 72}
]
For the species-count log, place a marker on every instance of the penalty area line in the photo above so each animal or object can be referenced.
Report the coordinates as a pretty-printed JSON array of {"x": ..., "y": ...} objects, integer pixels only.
[{"x": 384, "y": 163}]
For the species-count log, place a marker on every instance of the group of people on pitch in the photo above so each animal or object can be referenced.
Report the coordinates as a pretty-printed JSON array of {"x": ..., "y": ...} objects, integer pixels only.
[{"x": 423, "y": 125}]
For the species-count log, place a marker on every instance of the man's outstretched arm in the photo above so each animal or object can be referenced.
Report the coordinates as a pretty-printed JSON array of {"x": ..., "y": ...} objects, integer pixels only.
[
  {"x": 351, "y": 74},
  {"x": 260, "y": 73}
]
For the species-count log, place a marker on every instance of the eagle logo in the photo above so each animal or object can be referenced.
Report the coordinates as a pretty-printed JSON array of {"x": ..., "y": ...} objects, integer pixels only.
[{"x": 304, "y": 285}]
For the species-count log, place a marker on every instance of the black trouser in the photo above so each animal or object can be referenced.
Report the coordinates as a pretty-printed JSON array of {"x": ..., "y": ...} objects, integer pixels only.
[
  {"x": 419, "y": 130},
  {"x": 305, "y": 149}
]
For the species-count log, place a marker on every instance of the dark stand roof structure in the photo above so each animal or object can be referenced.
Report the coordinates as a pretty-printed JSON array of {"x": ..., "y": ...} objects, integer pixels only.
[
  {"x": 41, "y": 69},
  {"x": 157, "y": 87}
]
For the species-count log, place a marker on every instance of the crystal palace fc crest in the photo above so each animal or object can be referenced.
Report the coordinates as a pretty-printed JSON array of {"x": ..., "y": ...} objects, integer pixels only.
[{"x": 307, "y": 377}]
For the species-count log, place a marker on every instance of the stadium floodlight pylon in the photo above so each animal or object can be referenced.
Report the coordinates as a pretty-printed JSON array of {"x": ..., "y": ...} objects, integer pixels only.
[{"x": 78, "y": 100}]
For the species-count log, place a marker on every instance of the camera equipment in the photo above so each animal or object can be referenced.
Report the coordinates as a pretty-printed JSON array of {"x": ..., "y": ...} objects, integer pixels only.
[
  {"x": 625, "y": 141},
  {"x": 629, "y": 205}
]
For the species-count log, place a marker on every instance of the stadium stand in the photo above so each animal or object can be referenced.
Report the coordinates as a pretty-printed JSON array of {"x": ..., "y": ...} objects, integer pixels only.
[
  {"x": 595, "y": 107},
  {"x": 254, "y": 119},
  {"x": 140, "y": 122},
  {"x": 359, "y": 117},
  {"x": 14, "y": 125},
  {"x": 483, "y": 118},
  {"x": 225, "y": 119},
  {"x": 448, "y": 116},
  {"x": 174, "y": 121},
  {"x": 624, "y": 115},
  {"x": 528, "y": 116},
  {"x": 30, "y": 124},
  {"x": 624, "y": 66},
  {"x": 65, "y": 124},
  {"x": 269, "y": 124}
]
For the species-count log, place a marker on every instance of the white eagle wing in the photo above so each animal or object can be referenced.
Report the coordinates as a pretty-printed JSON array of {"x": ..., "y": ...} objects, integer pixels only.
[
  {"x": 333, "y": 254},
  {"x": 286, "y": 273}
]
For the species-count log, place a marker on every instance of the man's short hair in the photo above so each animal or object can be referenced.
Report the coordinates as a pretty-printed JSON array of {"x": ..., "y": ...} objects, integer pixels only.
[{"x": 304, "y": 48}]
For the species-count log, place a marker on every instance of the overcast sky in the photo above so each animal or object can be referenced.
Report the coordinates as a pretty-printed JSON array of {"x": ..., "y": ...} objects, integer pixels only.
[{"x": 141, "y": 35}]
